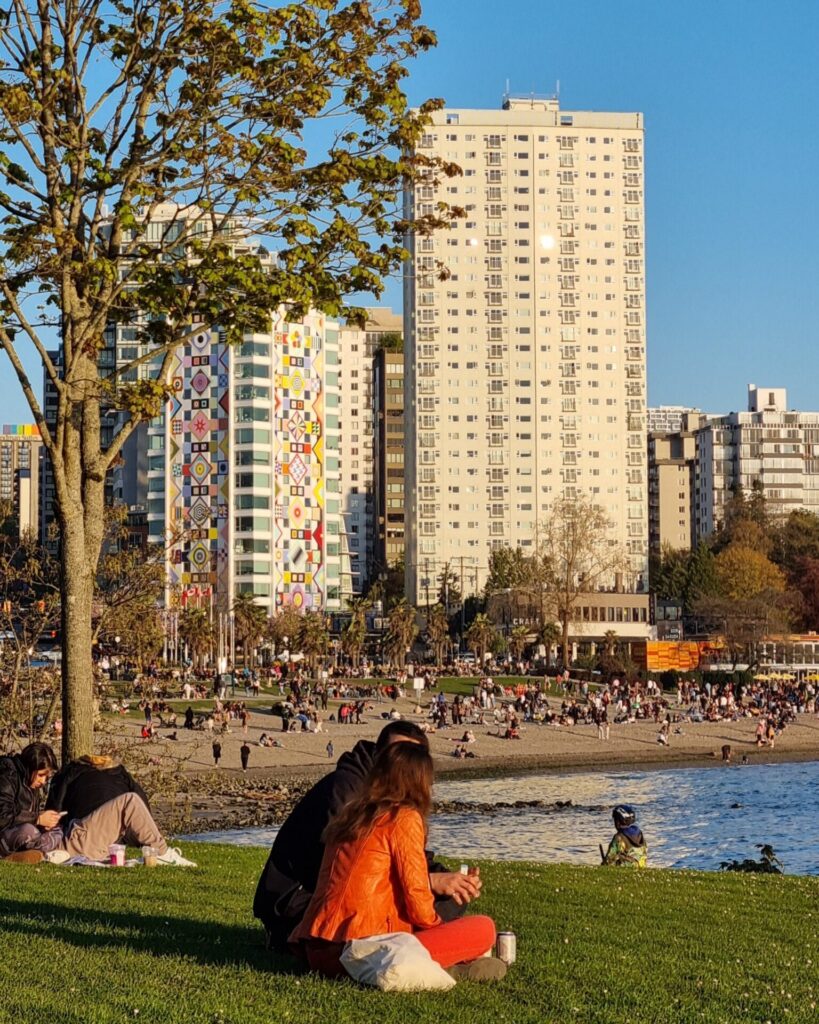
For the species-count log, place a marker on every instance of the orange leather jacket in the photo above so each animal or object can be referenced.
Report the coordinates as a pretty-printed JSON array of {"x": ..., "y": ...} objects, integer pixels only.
[{"x": 375, "y": 884}]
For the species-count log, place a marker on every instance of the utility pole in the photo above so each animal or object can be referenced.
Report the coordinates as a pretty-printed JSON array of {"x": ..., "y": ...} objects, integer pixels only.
[{"x": 463, "y": 600}]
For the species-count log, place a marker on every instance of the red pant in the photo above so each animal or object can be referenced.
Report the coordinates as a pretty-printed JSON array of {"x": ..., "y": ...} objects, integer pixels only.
[{"x": 455, "y": 942}]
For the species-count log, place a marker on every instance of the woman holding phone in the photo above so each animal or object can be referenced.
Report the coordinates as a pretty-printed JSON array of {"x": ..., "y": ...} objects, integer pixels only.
[
  {"x": 24, "y": 828},
  {"x": 94, "y": 819}
]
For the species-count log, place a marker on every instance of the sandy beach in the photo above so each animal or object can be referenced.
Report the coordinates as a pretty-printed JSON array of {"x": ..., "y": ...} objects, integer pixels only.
[{"x": 541, "y": 747}]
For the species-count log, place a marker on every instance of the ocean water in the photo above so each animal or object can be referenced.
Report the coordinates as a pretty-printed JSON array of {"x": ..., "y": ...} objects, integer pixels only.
[{"x": 691, "y": 817}]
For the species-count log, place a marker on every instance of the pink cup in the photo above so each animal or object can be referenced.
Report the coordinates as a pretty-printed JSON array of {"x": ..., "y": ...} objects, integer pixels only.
[{"x": 116, "y": 855}]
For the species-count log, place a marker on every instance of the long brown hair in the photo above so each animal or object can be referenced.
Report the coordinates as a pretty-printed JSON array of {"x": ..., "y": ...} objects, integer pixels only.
[{"x": 401, "y": 776}]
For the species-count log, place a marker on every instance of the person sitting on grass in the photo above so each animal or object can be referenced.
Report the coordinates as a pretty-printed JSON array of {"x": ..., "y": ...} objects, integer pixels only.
[
  {"x": 374, "y": 878},
  {"x": 26, "y": 832},
  {"x": 290, "y": 875},
  {"x": 100, "y": 804},
  {"x": 628, "y": 846}
]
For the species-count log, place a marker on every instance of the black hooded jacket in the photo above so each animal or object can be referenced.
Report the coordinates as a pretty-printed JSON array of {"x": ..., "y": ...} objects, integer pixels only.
[
  {"x": 79, "y": 788},
  {"x": 297, "y": 850},
  {"x": 19, "y": 803}
]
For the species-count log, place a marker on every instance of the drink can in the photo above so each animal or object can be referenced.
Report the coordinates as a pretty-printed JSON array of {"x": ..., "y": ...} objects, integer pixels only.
[
  {"x": 507, "y": 947},
  {"x": 464, "y": 869}
]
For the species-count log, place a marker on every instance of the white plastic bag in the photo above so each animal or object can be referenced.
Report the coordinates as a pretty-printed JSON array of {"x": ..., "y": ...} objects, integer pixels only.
[{"x": 394, "y": 963}]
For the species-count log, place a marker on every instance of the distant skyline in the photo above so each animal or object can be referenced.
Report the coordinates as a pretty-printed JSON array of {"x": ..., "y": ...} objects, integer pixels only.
[{"x": 732, "y": 161}]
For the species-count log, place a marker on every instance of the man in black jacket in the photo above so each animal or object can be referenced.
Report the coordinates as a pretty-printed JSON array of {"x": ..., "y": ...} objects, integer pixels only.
[
  {"x": 291, "y": 872},
  {"x": 81, "y": 787}
]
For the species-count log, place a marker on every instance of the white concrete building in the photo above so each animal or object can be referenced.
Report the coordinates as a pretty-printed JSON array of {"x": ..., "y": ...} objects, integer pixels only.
[
  {"x": 525, "y": 370},
  {"x": 770, "y": 444}
]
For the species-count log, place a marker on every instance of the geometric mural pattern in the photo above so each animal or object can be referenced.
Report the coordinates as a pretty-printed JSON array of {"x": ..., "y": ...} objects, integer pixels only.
[
  {"x": 198, "y": 477},
  {"x": 298, "y": 522}
]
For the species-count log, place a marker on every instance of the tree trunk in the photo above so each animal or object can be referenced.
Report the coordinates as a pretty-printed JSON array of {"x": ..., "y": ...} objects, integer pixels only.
[
  {"x": 77, "y": 588},
  {"x": 565, "y": 652}
]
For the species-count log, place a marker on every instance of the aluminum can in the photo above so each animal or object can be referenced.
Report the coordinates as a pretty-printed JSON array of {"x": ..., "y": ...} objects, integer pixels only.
[
  {"x": 507, "y": 947},
  {"x": 464, "y": 869}
]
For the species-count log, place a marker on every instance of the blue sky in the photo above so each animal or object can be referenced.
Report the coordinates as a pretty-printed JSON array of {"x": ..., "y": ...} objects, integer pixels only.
[{"x": 729, "y": 93}]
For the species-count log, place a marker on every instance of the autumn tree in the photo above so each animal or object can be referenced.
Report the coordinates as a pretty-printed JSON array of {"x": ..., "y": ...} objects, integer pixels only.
[
  {"x": 576, "y": 546},
  {"x": 128, "y": 591},
  {"x": 140, "y": 143},
  {"x": 744, "y": 572},
  {"x": 283, "y": 627}
]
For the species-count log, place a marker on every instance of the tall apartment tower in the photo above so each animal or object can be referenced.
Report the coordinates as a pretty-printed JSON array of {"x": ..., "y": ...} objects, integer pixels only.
[
  {"x": 358, "y": 347},
  {"x": 389, "y": 458},
  {"x": 526, "y": 367},
  {"x": 20, "y": 448}
]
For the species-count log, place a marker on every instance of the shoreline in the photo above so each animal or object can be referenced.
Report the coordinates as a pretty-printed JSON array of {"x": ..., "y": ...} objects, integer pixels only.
[{"x": 225, "y": 799}]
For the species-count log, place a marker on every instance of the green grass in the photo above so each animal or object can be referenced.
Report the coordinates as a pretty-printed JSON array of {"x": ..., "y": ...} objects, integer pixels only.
[{"x": 86, "y": 946}]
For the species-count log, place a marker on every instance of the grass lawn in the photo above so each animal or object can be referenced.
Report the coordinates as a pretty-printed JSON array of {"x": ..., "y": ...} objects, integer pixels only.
[{"x": 87, "y": 946}]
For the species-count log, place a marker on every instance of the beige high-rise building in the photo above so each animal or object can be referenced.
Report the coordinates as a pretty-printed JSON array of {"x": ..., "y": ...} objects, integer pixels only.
[
  {"x": 20, "y": 447},
  {"x": 526, "y": 367}
]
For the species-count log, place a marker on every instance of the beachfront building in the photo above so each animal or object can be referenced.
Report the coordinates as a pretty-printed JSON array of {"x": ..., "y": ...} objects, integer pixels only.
[
  {"x": 671, "y": 486},
  {"x": 768, "y": 445},
  {"x": 525, "y": 367},
  {"x": 243, "y": 477},
  {"x": 20, "y": 448},
  {"x": 358, "y": 347},
  {"x": 389, "y": 457}
]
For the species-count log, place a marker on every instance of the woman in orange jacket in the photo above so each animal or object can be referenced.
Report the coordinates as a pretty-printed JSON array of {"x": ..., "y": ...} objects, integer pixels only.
[{"x": 374, "y": 877}]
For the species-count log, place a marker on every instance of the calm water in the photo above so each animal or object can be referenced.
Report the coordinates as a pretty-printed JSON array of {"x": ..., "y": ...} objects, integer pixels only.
[{"x": 688, "y": 815}]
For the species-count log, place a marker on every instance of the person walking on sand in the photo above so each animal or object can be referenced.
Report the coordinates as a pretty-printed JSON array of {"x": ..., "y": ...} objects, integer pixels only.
[
  {"x": 329, "y": 748},
  {"x": 217, "y": 753},
  {"x": 244, "y": 753}
]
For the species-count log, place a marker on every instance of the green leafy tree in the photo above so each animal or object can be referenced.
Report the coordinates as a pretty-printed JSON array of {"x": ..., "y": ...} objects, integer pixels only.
[
  {"x": 701, "y": 579},
  {"x": 795, "y": 539},
  {"x": 139, "y": 145}
]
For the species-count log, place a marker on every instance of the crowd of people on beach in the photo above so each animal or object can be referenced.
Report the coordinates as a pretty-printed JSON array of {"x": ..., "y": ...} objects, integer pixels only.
[{"x": 349, "y": 862}]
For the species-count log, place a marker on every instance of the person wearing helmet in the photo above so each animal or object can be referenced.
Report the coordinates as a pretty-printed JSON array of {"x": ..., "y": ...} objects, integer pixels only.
[{"x": 628, "y": 846}]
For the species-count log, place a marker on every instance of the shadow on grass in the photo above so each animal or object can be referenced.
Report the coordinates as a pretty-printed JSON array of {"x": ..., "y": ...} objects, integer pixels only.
[{"x": 208, "y": 942}]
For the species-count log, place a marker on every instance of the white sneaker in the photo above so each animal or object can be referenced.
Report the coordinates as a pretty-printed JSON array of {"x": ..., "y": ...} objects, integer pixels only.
[
  {"x": 173, "y": 855},
  {"x": 57, "y": 856}
]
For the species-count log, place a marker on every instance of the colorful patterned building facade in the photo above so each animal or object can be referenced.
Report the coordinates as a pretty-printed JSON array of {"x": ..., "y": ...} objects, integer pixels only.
[{"x": 242, "y": 471}]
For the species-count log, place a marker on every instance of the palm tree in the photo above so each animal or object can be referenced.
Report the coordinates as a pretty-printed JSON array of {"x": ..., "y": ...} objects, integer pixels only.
[
  {"x": 481, "y": 636},
  {"x": 249, "y": 621},
  {"x": 401, "y": 631},
  {"x": 313, "y": 637},
  {"x": 437, "y": 632},
  {"x": 355, "y": 632},
  {"x": 196, "y": 631},
  {"x": 518, "y": 639},
  {"x": 550, "y": 635}
]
